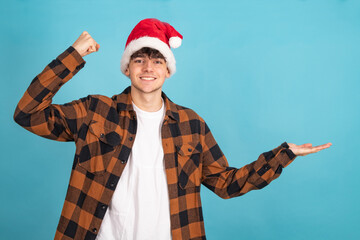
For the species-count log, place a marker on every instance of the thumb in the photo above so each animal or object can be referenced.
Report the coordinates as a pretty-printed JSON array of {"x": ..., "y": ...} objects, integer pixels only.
[{"x": 91, "y": 49}]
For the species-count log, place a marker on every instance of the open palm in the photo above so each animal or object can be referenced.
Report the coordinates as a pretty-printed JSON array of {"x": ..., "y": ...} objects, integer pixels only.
[{"x": 307, "y": 148}]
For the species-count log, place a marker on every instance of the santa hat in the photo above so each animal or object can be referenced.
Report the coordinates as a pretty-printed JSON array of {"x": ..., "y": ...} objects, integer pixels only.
[{"x": 155, "y": 34}]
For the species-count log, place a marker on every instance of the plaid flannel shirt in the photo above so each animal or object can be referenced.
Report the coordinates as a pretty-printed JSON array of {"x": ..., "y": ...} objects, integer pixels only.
[{"x": 104, "y": 130}]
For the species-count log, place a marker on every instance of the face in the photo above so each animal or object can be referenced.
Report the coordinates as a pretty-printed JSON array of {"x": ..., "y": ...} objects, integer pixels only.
[{"x": 147, "y": 75}]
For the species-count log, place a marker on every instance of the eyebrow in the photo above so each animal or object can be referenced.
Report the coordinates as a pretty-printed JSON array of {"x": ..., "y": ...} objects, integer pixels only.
[{"x": 144, "y": 56}]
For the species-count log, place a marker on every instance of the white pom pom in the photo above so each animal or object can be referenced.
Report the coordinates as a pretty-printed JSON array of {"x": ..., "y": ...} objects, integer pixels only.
[{"x": 175, "y": 42}]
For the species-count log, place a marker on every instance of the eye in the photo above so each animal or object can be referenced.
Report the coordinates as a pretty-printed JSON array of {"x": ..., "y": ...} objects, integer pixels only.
[
  {"x": 138, "y": 60},
  {"x": 158, "y": 62}
]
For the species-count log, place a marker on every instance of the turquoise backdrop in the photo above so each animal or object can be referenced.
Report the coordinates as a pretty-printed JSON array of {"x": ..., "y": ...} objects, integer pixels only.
[{"x": 260, "y": 72}]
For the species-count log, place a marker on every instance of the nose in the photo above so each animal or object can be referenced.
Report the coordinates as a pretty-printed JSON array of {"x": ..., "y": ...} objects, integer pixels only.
[{"x": 148, "y": 65}]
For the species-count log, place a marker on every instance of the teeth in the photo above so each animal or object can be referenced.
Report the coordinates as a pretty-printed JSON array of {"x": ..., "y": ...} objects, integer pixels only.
[{"x": 147, "y": 78}]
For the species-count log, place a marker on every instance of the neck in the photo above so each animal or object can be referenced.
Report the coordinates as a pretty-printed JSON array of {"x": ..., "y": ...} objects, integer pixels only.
[{"x": 149, "y": 102}]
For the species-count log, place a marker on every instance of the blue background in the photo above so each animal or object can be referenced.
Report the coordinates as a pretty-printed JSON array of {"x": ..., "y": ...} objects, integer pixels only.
[{"x": 259, "y": 72}]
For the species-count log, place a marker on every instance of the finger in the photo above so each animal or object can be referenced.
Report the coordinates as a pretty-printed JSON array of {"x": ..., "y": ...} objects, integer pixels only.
[
  {"x": 317, "y": 148},
  {"x": 91, "y": 49},
  {"x": 306, "y": 145},
  {"x": 307, "y": 151},
  {"x": 323, "y": 146},
  {"x": 97, "y": 46}
]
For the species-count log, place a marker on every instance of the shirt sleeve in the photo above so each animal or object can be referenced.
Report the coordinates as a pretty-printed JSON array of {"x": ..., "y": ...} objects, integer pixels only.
[
  {"x": 228, "y": 182},
  {"x": 35, "y": 112}
]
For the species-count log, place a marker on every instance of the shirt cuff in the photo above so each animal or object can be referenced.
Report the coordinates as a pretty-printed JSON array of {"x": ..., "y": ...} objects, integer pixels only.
[
  {"x": 72, "y": 59},
  {"x": 286, "y": 155}
]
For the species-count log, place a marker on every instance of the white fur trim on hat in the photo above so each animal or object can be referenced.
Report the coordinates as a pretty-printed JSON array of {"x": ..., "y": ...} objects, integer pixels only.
[{"x": 150, "y": 42}]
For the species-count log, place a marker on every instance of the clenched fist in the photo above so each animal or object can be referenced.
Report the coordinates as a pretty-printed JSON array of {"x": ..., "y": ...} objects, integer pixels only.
[{"x": 85, "y": 44}]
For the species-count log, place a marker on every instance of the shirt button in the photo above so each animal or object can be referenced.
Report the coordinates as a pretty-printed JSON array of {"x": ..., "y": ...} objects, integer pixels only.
[
  {"x": 103, "y": 207},
  {"x": 130, "y": 138},
  {"x": 267, "y": 167},
  {"x": 123, "y": 161},
  {"x": 189, "y": 149},
  {"x": 94, "y": 230},
  {"x": 102, "y": 135},
  {"x": 112, "y": 184}
]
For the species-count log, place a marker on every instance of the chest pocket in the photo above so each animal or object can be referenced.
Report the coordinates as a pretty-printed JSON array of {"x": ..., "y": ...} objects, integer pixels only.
[
  {"x": 99, "y": 146},
  {"x": 189, "y": 167}
]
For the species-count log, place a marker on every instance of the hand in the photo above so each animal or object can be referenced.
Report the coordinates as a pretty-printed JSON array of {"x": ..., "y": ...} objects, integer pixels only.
[
  {"x": 307, "y": 148},
  {"x": 85, "y": 44}
]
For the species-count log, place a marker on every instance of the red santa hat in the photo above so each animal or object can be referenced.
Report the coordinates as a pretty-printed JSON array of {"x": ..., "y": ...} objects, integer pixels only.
[{"x": 155, "y": 34}]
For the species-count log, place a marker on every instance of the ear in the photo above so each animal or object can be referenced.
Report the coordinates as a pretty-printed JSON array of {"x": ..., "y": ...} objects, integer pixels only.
[
  {"x": 127, "y": 72},
  {"x": 167, "y": 73}
]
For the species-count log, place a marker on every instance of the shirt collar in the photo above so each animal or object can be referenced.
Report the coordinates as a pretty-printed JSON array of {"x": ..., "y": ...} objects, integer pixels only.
[{"x": 124, "y": 103}]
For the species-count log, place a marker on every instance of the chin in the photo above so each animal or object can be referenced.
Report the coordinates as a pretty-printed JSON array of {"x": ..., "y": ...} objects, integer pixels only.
[{"x": 147, "y": 90}]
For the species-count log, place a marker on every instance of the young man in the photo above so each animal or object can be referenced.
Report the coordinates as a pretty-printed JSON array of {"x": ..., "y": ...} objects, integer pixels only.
[{"x": 140, "y": 158}]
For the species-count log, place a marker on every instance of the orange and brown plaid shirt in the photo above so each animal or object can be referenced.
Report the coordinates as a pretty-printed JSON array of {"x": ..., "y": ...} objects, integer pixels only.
[{"x": 104, "y": 130}]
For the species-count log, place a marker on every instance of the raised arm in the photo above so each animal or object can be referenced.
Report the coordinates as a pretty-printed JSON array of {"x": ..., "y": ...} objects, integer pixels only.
[{"x": 35, "y": 112}]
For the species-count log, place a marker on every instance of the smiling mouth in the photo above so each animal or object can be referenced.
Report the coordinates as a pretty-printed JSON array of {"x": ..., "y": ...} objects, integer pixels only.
[{"x": 147, "y": 78}]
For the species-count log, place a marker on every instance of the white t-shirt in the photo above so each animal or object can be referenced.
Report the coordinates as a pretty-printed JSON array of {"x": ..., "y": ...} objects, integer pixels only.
[{"x": 139, "y": 208}]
